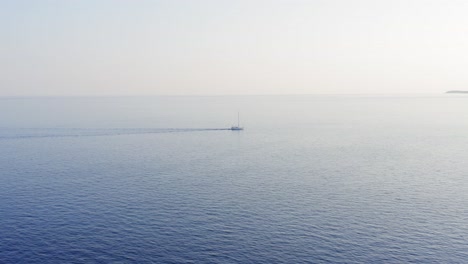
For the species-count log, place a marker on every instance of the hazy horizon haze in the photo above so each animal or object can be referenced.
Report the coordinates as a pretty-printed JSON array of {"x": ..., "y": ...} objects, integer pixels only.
[{"x": 120, "y": 48}]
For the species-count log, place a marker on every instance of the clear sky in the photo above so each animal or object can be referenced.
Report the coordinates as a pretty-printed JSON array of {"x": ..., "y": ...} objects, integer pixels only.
[{"x": 204, "y": 47}]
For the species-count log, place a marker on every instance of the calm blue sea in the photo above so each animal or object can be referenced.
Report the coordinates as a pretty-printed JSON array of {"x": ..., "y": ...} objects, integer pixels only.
[{"x": 311, "y": 179}]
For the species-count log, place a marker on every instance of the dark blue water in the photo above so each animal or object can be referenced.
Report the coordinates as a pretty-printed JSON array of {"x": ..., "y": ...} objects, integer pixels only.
[{"x": 312, "y": 179}]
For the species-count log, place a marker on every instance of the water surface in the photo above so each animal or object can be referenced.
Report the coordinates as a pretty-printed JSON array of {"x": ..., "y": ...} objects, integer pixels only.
[{"x": 312, "y": 179}]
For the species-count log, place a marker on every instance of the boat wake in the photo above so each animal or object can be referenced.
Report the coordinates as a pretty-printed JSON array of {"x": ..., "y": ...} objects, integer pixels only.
[{"x": 18, "y": 133}]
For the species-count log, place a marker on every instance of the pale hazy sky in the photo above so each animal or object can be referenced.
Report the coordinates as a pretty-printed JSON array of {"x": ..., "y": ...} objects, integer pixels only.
[{"x": 130, "y": 47}]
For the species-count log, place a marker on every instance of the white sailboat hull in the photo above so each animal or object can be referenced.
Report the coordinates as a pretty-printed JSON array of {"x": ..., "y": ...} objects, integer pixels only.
[{"x": 238, "y": 127}]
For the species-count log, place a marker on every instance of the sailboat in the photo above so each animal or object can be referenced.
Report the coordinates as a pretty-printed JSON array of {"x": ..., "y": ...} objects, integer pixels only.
[{"x": 238, "y": 127}]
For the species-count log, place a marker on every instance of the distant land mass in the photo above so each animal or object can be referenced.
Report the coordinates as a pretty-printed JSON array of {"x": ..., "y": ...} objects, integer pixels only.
[{"x": 455, "y": 91}]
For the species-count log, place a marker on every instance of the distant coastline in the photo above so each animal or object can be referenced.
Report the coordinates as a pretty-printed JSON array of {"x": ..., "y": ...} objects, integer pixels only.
[{"x": 455, "y": 91}]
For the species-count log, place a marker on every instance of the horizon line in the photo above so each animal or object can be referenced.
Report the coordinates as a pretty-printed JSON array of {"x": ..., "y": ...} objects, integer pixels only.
[{"x": 220, "y": 95}]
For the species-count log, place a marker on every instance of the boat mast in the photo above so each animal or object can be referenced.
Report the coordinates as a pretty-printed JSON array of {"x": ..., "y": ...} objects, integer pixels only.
[{"x": 238, "y": 123}]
